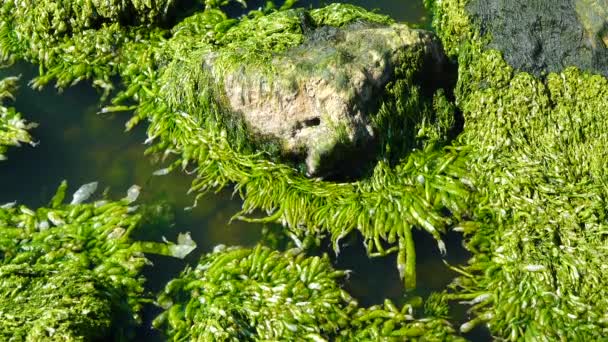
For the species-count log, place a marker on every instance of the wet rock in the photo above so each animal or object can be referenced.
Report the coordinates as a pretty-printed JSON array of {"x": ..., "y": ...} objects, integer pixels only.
[
  {"x": 541, "y": 36},
  {"x": 318, "y": 98}
]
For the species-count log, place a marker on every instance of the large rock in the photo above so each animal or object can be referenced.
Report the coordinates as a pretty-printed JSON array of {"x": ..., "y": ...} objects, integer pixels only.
[
  {"x": 540, "y": 36},
  {"x": 319, "y": 97}
]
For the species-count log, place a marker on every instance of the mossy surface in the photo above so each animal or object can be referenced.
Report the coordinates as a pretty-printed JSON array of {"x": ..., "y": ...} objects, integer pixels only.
[
  {"x": 239, "y": 294},
  {"x": 13, "y": 128},
  {"x": 70, "y": 272},
  {"x": 538, "y": 162}
]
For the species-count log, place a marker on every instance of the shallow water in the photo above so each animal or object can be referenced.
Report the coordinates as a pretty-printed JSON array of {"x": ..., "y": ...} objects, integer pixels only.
[{"x": 79, "y": 145}]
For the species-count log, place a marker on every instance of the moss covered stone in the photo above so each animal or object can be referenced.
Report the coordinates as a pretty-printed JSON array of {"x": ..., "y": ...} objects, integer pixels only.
[
  {"x": 317, "y": 100},
  {"x": 309, "y": 90}
]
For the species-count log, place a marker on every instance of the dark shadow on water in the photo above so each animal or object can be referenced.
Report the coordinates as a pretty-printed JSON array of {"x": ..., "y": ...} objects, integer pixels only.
[{"x": 372, "y": 280}]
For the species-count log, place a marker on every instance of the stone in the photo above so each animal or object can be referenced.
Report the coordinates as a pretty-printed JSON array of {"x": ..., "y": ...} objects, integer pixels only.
[
  {"x": 318, "y": 98},
  {"x": 542, "y": 36}
]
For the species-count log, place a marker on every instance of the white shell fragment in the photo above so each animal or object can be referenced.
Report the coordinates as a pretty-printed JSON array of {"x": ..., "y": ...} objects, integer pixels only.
[
  {"x": 8, "y": 205},
  {"x": 184, "y": 246},
  {"x": 162, "y": 172},
  {"x": 133, "y": 193},
  {"x": 84, "y": 192}
]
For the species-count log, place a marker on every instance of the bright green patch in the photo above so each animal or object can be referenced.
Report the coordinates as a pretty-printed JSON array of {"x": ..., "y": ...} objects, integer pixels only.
[
  {"x": 538, "y": 156},
  {"x": 237, "y": 294},
  {"x": 70, "y": 272}
]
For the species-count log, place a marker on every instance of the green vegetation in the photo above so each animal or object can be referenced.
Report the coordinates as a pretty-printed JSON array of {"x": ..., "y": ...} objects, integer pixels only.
[
  {"x": 13, "y": 128},
  {"x": 238, "y": 294},
  {"x": 538, "y": 151},
  {"x": 525, "y": 182},
  {"x": 167, "y": 86},
  {"x": 70, "y": 272}
]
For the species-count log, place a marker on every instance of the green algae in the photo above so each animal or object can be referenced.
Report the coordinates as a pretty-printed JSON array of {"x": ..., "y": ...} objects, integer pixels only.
[
  {"x": 538, "y": 162},
  {"x": 239, "y": 294},
  {"x": 416, "y": 184},
  {"x": 533, "y": 150},
  {"x": 70, "y": 272},
  {"x": 384, "y": 207},
  {"x": 13, "y": 128}
]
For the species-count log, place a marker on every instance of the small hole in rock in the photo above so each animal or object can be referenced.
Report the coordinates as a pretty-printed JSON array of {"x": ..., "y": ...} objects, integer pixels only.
[{"x": 312, "y": 122}]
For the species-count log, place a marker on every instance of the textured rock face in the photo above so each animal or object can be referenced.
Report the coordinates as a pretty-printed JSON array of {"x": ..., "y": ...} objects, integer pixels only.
[
  {"x": 317, "y": 99},
  {"x": 540, "y": 36}
]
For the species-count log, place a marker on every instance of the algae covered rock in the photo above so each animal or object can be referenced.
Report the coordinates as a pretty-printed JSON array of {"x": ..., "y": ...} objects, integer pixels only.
[
  {"x": 541, "y": 36},
  {"x": 538, "y": 142},
  {"x": 317, "y": 100},
  {"x": 309, "y": 84}
]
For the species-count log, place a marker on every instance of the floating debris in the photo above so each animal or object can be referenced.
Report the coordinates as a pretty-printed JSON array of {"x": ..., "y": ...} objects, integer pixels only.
[{"x": 84, "y": 192}]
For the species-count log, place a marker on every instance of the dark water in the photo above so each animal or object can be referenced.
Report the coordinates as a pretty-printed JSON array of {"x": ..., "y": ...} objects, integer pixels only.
[{"x": 79, "y": 145}]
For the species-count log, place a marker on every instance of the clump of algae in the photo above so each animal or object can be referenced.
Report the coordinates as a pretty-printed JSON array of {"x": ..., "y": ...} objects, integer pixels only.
[
  {"x": 242, "y": 294},
  {"x": 538, "y": 151},
  {"x": 71, "y": 272},
  {"x": 13, "y": 128}
]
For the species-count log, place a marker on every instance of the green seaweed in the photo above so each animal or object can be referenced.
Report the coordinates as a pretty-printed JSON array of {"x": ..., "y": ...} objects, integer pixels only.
[
  {"x": 70, "y": 272},
  {"x": 13, "y": 128},
  {"x": 527, "y": 172},
  {"x": 414, "y": 185},
  {"x": 239, "y": 294},
  {"x": 538, "y": 151}
]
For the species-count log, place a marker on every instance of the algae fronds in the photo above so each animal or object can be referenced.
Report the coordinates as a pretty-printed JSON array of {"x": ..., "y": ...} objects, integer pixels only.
[
  {"x": 239, "y": 294},
  {"x": 537, "y": 158},
  {"x": 13, "y": 128},
  {"x": 71, "y": 271}
]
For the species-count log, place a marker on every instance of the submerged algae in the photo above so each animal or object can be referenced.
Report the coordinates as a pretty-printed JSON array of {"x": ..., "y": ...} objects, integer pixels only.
[
  {"x": 238, "y": 294},
  {"x": 538, "y": 152},
  {"x": 13, "y": 128},
  {"x": 71, "y": 271}
]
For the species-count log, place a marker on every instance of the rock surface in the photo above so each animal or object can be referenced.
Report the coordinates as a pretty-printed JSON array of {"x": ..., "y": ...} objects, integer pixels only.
[
  {"x": 317, "y": 99},
  {"x": 540, "y": 36}
]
